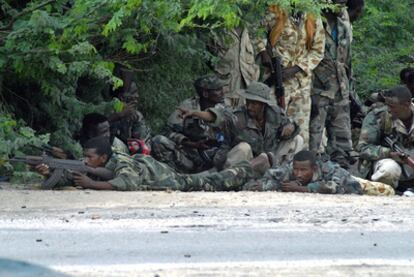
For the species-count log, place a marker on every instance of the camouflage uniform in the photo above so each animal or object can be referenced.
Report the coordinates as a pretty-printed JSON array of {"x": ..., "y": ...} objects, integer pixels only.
[
  {"x": 237, "y": 61},
  {"x": 142, "y": 172},
  {"x": 133, "y": 126},
  {"x": 240, "y": 127},
  {"x": 331, "y": 90},
  {"x": 169, "y": 149},
  {"x": 328, "y": 178},
  {"x": 292, "y": 49},
  {"x": 376, "y": 126},
  {"x": 119, "y": 147}
]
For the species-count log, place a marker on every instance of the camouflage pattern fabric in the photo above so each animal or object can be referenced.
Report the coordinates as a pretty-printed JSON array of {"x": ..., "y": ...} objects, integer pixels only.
[
  {"x": 372, "y": 147},
  {"x": 132, "y": 127},
  {"x": 329, "y": 178},
  {"x": 237, "y": 61},
  {"x": 169, "y": 149},
  {"x": 119, "y": 147},
  {"x": 240, "y": 127},
  {"x": 291, "y": 47},
  {"x": 142, "y": 172},
  {"x": 331, "y": 86}
]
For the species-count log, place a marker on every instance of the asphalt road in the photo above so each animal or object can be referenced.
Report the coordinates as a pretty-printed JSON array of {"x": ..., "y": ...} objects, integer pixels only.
[{"x": 196, "y": 234}]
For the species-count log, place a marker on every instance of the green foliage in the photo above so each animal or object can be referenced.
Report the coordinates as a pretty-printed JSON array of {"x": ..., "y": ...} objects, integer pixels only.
[
  {"x": 383, "y": 44},
  {"x": 14, "y": 136}
]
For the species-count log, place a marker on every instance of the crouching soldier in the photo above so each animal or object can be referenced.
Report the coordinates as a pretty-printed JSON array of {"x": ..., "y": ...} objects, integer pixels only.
[
  {"x": 386, "y": 141},
  {"x": 190, "y": 145},
  {"x": 142, "y": 172},
  {"x": 305, "y": 174},
  {"x": 258, "y": 128}
]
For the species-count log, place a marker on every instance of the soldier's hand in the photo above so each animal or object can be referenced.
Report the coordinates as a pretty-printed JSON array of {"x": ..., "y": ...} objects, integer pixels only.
[
  {"x": 128, "y": 111},
  {"x": 287, "y": 130},
  {"x": 397, "y": 157},
  {"x": 293, "y": 186},
  {"x": 43, "y": 169},
  {"x": 266, "y": 58},
  {"x": 290, "y": 72},
  {"x": 184, "y": 113},
  {"x": 82, "y": 180},
  {"x": 59, "y": 153}
]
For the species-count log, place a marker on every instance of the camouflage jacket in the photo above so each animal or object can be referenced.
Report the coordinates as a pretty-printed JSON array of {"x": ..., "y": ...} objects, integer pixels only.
[
  {"x": 238, "y": 127},
  {"x": 334, "y": 72},
  {"x": 291, "y": 46},
  {"x": 329, "y": 178},
  {"x": 176, "y": 130},
  {"x": 132, "y": 127},
  {"x": 237, "y": 58},
  {"x": 376, "y": 126}
]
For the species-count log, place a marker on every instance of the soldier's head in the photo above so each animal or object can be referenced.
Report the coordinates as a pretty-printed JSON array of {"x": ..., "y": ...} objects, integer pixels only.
[
  {"x": 258, "y": 96},
  {"x": 355, "y": 9},
  {"x": 97, "y": 151},
  {"x": 211, "y": 88},
  {"x": 398, "y": 100},
  {"x": 94, "y": 125},
  {"x": 304, "y": 166},
  {"x": 131, "y": 96}
]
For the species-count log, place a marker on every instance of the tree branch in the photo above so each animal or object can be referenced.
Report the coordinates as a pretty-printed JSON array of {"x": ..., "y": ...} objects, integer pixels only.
[{"x": 24, "y": 12}]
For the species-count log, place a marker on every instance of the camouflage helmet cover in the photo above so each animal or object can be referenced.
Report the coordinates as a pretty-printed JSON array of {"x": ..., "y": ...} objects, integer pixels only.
[
  {"x": 210, "y": 81},
  {"x": 258, "y": 92}
]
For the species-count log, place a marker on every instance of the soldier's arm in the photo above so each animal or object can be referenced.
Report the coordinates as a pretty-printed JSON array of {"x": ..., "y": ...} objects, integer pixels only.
[
  {"x": 311, "y": 58},
  {"x": 175, "y": 125},
  {"x": 369, "y": 144}
]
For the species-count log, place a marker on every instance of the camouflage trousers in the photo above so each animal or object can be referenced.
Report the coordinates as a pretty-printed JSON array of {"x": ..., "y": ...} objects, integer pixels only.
[
  {"x": 183, "y": 159},
  {"x": 335, "y": 117},
  {"x": 298, "y": 103},
  {"x": 227, "y": 180}
]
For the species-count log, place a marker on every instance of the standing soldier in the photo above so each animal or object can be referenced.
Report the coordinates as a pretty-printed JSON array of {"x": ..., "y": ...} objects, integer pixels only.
[
  {"x": 330, "y": 92},
  {"x": 298, "y": 39},
  {"x": 237, "y": 61}
]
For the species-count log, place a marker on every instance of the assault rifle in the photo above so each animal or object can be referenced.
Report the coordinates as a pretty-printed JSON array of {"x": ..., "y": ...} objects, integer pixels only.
[
  {"x": 275, "y": 79},
  {"x": 397, "y": 148},
  {"x": 58, "y": 166}
]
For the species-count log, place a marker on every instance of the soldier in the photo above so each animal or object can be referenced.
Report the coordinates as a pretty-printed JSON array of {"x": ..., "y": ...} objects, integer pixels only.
[
  {"x": 236, "y": 61},
  {"x": 95, "y": 125},
  {"x": 305, "y": 174},
  {"x": 299, "y": 40},
  {"x": 331, "y": 91},
  {"x": 142, "y": 172},
  {"x": 129, "y": 123},
  {"x": 190, "y": 144},
  {"x": 258, "y": 128},
  {"x": 395, "y": 121}
]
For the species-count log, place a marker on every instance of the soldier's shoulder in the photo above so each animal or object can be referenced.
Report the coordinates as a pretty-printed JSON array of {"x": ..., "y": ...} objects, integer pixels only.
[{"x": 190, "y": 103}]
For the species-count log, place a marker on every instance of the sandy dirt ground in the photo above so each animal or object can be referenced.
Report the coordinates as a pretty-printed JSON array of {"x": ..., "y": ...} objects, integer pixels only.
[{"x": 91, "y": 233}]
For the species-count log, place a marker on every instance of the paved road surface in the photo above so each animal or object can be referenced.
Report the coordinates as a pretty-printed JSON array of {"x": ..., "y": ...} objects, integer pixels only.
[{"x": 86, "y": 233}]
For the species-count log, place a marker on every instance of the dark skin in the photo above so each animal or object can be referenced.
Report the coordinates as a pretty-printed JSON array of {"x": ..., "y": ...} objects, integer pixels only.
[
  {"x": 257, "y": 112},
  {"x": 402, "y": 111},
  {"x": 303, "y": 172},
  {"x": 287, "y": 73},
  {"x": 93, "y": 160},
  {"x": 208, "y": 99}
]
